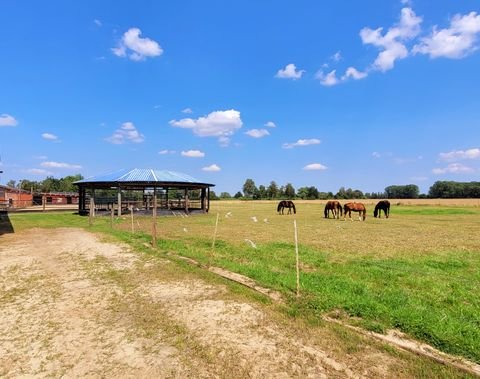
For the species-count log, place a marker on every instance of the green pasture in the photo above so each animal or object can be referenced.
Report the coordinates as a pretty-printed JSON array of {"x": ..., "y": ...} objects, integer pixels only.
[{"x": 418, "y": 271}]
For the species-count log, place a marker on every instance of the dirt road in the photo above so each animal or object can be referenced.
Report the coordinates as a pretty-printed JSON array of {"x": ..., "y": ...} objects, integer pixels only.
[{"x": 73, "y": 306}]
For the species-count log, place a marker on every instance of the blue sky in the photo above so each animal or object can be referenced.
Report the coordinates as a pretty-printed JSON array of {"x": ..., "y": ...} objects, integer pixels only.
[{"x": 360, "y": 94}]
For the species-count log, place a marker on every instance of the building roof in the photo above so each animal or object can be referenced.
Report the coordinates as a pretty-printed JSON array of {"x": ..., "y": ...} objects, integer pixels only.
[{"x": 139, "y": 176}]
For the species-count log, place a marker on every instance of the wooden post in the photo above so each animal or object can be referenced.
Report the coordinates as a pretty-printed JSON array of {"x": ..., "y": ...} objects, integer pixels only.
[
  {"x": 296, "y": 257},
  {"x": 119, "y": 202},
  {"x": 92, "y": 211},
  {"x": 131, "y": 213},
  {"x": 154, "y": 219},
  {"x": 186, "y": 200},
  {"x": 44, "y": 201},
  {"x": 112, "y": 211},
  {"x": 215, "y": 233},
  {"x": 93, "y": 199}
]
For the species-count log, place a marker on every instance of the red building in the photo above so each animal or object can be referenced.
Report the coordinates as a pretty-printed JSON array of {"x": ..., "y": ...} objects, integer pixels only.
[
  {"x": 14, "y": 198},
  {"x": 56, "y": 198}
]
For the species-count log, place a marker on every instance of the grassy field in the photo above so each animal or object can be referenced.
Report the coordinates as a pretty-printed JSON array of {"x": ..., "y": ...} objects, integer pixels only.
[{"x": 418, "y": 271}]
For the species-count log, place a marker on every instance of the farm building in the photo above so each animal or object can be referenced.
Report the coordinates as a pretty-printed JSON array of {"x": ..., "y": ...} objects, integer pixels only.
[
  {"x": 56, "y": 198},
  {"x": 14, "y": 198},
  {"x": 143, "y": 190}
]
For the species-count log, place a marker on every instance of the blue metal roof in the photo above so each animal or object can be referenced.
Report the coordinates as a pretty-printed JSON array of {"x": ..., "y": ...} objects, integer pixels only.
[{"x": 142, "y": 175}]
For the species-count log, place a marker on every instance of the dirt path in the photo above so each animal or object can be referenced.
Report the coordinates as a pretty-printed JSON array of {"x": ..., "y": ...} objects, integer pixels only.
[{"x": 72, "y": 306}]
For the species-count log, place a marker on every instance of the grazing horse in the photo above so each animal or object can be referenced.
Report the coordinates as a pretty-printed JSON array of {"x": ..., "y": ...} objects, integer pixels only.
[
  {"x": 286, "y": 204},
  {"x": 382, "y": 205},
  {"x": 354, "y": 207},
  {"x": 335, "y": 207}
]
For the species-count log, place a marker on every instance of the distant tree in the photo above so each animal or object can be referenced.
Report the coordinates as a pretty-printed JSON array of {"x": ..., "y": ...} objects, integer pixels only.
[
  {"x": 11, "y": 183},
  {"x": 450, "y": 189},
  {"x": 302, "y": 193},
  {"x": 238, "y": 195},
  {"x": 213, "y": 195},
  {"x": 249, "y": 188},
  {"x": 341, "y": 194},
  {"x": 409, "y": 191},
  {"x": 272, "y": 190},
  {"x": 262, "y": 191},
  {"x": 225, "y": 195},
  {"x": 289, "y": 191}
]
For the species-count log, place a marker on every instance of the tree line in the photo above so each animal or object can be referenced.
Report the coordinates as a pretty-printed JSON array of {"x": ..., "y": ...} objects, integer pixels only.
[
  {"x": 49, "y": 184},
  {"x": 440, "y": 189}
]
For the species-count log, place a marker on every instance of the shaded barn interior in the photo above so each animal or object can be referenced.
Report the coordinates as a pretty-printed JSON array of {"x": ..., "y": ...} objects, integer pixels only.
[{"x": 143, "y": 190}]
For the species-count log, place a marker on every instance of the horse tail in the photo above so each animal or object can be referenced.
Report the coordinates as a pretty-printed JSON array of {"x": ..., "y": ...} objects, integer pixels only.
[{"x": 293, "y": 206}]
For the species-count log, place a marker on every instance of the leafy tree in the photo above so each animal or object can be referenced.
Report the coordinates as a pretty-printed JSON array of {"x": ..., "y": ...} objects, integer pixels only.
[
  {"x": 11, "y": 183},
  {"x": 409, "y": 191},
  {"x": 262, "y": 191},
  {"x": 249, "y": 188},
  {"x": 238, "y": 195},
  {"x": 272, "y": 190},
  {"x": 289, "y": 191},
  {"x": 213, "y": 195},
  {"x": 225, "y": 195}
]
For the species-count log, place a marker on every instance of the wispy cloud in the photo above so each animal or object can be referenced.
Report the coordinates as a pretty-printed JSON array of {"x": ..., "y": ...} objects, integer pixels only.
[
  {"x": 337, "y": 57},
  {"x": 187, "y": 111},
  {"x": 220, "y": 124},
  {"x": 37, "y": 171},
  {"x": 7, "y": 120},
  {"x": 257, "y": 133},
  {"x": 301, "y": 142},
  {"x": 136, "y": 48},
  {"x": 453, "y": 168},
  {"x": 290, "y": 72},
  {"x": 52, "y": 164},
  {"x": 49, "y": 137},
  {"x": 456, "y": 155},
  {"x": 97, "y": 22},
  {"x": 353, "y": 73},
  {"x": 211, "y": 168},
  {"x": 329, "y": 79},
  {"x": 193, "y": 154},
  {"x": 270, "y": 124},
  {"x": 457, "y": 41},
  {"x": 315, "y": 167},
  {"x": 164, "y": 152},
  {"x": 126, "y": 133}
]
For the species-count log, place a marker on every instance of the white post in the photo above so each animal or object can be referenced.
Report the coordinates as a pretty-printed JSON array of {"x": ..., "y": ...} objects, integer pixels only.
[
  {"x": 131, "y": 213},
  {"x": 215, "y": 233},
  {"x": 296, "y": 258}
]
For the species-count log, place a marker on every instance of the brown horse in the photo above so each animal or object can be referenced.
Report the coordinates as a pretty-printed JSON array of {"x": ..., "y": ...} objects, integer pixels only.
[
  {"x": 286, "y": 204},
  {"x": 335, "y": 207},
  {"x": 382, "y": 205},
  {"x": 354, "y": 207}
]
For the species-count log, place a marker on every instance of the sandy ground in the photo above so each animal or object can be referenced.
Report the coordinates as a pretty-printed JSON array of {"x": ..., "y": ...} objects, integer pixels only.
[{"x": 73, "y": 306}]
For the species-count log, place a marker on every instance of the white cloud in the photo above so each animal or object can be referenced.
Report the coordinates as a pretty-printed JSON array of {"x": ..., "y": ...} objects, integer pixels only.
[
  {"x": 221, "y": 124},
  {"x": 327, "y": 80},
  {"x": 193, "y": 154},
  {"x": 301, "y": 142},
  {"x": 187, "y": 110},
  {"x": 163, "y": 152},
  {"x": 126, "y": 133},
  {"x": 289, "y": 72},
  {"x": 453, "y": 168},
  {"x": 49, "y": 136},
  {"x": 392, "y": 42},
  {"x": 353, "y": 73},
  {"x": 135, "y": 47},
  {"x": 41, "y": 157},
  {"x": 337, "y": 56},
  {"x": 38, "y": 171},
  {"x": 7, "y": 120},
  {"x": 212, "y": 168},
  {"x": 59, "y": 165},
  {"x": 97, "y": 22},
  {"x": 270, "y": 124},
  {"x": 461, "y": 155},
  {"x": 257, "y": 133},
  {"x": 315, "y": 167},
  {"x": 457, "y": 41}
]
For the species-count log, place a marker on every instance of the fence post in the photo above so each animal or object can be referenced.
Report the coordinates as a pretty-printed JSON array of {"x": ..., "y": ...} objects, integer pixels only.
[
  {"x": 154, "y": 218},
  {"x": 215, "y": 233},
  {"x": 296, "y": 258}
]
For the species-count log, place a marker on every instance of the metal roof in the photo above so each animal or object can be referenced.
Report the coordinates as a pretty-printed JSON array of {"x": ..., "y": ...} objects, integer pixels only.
[{"x": 139, "y": 175}]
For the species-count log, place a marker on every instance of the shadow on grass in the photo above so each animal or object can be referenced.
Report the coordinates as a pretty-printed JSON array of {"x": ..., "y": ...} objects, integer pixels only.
[{"x": 5, "y": 224}]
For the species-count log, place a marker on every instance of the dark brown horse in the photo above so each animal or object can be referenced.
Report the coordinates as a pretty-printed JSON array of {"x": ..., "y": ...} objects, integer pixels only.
[
  {"x": 286, "y": 204},
  {"x": 335, "y": 207},
  {"x": 382, "y": 205},
  {"x": 355, "y": 207}
]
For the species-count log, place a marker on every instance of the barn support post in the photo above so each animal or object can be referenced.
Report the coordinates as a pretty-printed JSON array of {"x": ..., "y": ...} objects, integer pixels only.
[
  {"x": 208, "y": 199},
  {"x": 119, "y": 201},
  {"x": 154, "y": 218},
  {"x": 44, "y": 201},
  {"x": 186, "y": 200}
]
